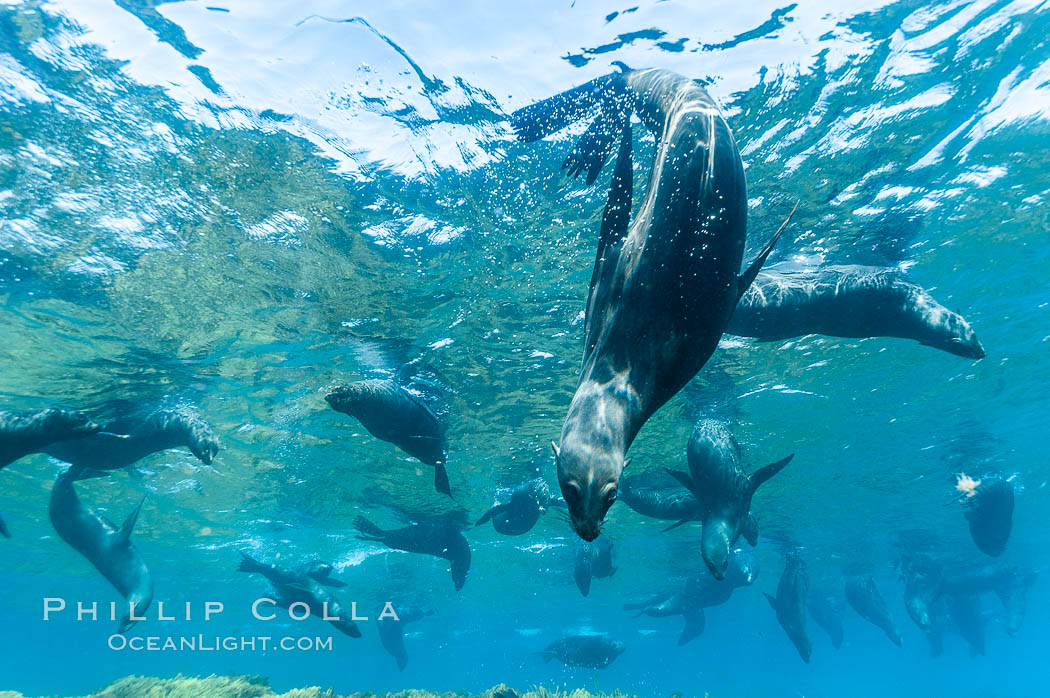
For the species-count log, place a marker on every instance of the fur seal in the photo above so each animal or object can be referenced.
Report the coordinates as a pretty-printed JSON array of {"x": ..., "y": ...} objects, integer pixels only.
[
  {"x": 22, "y": 433},
  {"x": 790, "y": 603},
  {"x": 402, "y": 413},
  {"x": 303, "y": 586},
  {"x": 132, "y": 437},
  {"x": 593, "y": 560},
  {"x": 849, "y": 301},
  {"x": 700, "y": 593},
  {"x": 827, "y": 612},
  {"x": 585, "y": 651},
  {"x": 724, "y": 490},
  {"x": 989, "y": 510},
  {"x": 438, "y": 539},
  {"x": 866, "y": 600},
  {"x": 105, "y": 545},
  {"x": 1009, "y": 583},
  {"x": 922, "y": 586},
  {"x": 665, "y": 284},
  {"x": 392, "y": 632},
  {"x": 650, "y": 497},
  {"x": 518, "y": 509}
]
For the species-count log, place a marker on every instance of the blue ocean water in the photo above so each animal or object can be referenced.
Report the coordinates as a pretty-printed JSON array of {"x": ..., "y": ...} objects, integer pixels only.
[{"x": 239, "y": 205}]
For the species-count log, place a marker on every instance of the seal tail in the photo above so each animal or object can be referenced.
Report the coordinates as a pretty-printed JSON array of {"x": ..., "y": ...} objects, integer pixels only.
[
  {"x": 752, "y": 271},
  {"x": 369, "y": 529},
  {"x": 551, "y": 115},
  {"x": 762, "y": 474}
]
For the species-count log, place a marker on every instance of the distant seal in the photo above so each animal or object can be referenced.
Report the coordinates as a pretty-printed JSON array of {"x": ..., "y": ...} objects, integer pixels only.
[
  {"x": 922, "y": 576},
  {"x": 849, "y": 301},
  {"x": 790, "y": 603},
  {"x": 864, "y": 597},
  {"x": 1009, "y": 583},
  {"x": 665, "y": 284},
  {"x": 392, "y": 631},
  {"x": 827, "y": 612},
  {"x": 22, "y": 433},
  {"x": 130, "y": 438},
  {"x": 718, "y": 481},
  {"x": 300, "y": 586},
  {"x": 989, "y": 510},
  {"x": 403, "y": 414},
  {"x": 105, "y": 545},
  {"x": 650, "y": 497},
  {"x": 700, "y": 593},
  {"x": 593, "y": 560},
  {"x": 518, "y": 509},
  {"x": 965, "y": 612},
  {"x": 585, "y": 651},
  {"x": 438, "y": 539}
]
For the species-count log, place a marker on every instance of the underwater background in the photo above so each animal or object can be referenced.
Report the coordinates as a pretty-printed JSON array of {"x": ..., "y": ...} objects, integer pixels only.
[{"x": 240, "y": 204}]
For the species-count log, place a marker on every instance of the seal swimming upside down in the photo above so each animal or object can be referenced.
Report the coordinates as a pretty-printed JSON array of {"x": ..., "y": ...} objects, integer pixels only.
[
  {"x": 790, "y": 603},
  {"x": 517, "y": 509},
  {"x": 866, "y": 600},
  {"x": 305, "y": 585},
  {"x": 411, "y": 418},
  {"x": 586, "y": 651},
  {"x": 664, "y": 284},
  {"x": 130, "y": 438},
  {"x": 23, "y": 433},
  {"x": 105, "y": 545},
  {"x": 392, "y": 631},
  {"x": 849, "y": 301},
  {"x": 718, "y": 481},
  {"x": 438, "y": 539}
]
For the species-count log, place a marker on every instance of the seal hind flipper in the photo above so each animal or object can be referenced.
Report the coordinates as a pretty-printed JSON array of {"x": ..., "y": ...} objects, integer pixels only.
[
  {"x": 751, "y": 272},
  {"x": 683, "y": 479},
  {"x": 129, "y": 523},
  {"x": 764, "y": 473},
  {"x": 675, "y": 525},
  {"x": 250, "y": 564},
  {"x": 487, "y": 516},
  {"x": 750, "y": 530},
  {"x": 3, "y": 529},
  {"x": 771, "y": 599},
  {"x": 369, "y": 529},
  {"x": 695, "y": 622}
]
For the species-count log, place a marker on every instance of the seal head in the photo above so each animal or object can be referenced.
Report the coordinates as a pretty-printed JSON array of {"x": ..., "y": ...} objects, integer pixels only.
[{"x": 589, "y": 485}]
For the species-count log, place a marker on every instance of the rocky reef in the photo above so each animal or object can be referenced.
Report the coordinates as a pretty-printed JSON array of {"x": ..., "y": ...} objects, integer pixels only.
[{"x": 259, "y": 687}]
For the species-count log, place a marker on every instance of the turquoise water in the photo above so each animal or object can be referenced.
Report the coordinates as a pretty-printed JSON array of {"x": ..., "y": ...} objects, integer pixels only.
[{"x": 241, "y": 204}]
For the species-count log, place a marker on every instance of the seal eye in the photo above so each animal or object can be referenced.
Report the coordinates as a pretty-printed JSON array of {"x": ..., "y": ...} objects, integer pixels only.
[{"x": 609, "y": 493}]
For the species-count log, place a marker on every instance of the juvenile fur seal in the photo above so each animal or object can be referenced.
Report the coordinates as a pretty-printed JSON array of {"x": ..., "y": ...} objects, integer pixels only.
[
  {"x": 724, "y": 490},
  {"x": 989, "y": 510},
  {"x": 392, "y": 631},
  {"x": 1009, "y": 583},
  {"x": 104, "y": 544},
  {"x": 586, "y": 651},
  {"x": 665, "y": 284},
  {"x": 922, "y": 586},
  {"x": 593, "y": 560},
  {"x": 132, "y": 437},
  {"x": 827, "y": 612},
  {"x": 518, "y": 509},
  {"x": 412, "y": 419},
  {"x": 438, "y": 539},
  {"x": 866, "y": 600},
  {"x": 849, "y": 301},
  {"x": 790, "y": 603},
  {"x": 650, "y": 497},
  {"x": 22, "y": 433},
  {"x": 300, "y": 586}
]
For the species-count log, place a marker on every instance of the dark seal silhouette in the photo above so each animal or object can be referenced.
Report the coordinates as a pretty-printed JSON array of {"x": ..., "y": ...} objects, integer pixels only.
[
  {"x": 827, "y": 612},
  {"x": 718, "y": 481},
  {"x": 593, "y": 560},
  {"x": 392, "y": 630},
  {"x": 849, "y": 301},
  {"x": 130, "y": 438},
  {"x": 305, "y": 585},
  {"x": 664, "y": 284},
  {"x": 518, "y": 509},
  {"x": 438, "y": 539},
  {"x": 23, "y": 433},
  {"x": 989, "y": 510},
  {"x": 864, "y": 597},
  {"x": 650, "y": 495},
  {"x": 586, "y": 651},
  {"x": 790, "y": 603},
  {"x": 105, "y": 545},
  {"x": 407, "y": 413}
]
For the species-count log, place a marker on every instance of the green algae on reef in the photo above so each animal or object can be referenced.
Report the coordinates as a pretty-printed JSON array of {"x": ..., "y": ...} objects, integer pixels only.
[{"x": 258, "y": 687}]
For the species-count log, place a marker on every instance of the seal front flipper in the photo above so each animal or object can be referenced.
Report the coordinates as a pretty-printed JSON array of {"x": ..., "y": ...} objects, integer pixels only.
[
  {"x": 250, "y": 564},
  {"x": 745, "y": 280},
  {"x": 595, "y": 145},
  {"x": 487, "y": 516},
  {"x": 369, "y": 529},
  {"x": 750, "y": 530},
  {"x": 764, "y": 473},
  {"x": 551, "y": 115},
  {"x": 695, "y": 621},
  {"x": 441, "y": 483},
  {"x": 3, "y": 529},
  {"x": 771, "y": 599},
  {"x": 124, "y": 532},
  {"x": 675, "y": 525},
  {"x": 683, "y": 478}
]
